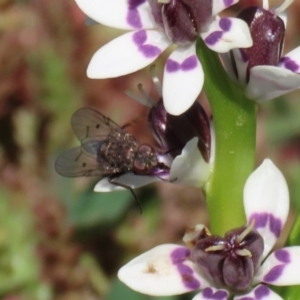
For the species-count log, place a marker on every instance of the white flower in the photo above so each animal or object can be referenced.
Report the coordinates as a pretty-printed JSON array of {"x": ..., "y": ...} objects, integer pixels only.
[
  {"x": 148, "y": 38},
  {"x": 261, "y": 69},
  {"x": 189, "y": 167},
  {"x": 168, "y": 269}
]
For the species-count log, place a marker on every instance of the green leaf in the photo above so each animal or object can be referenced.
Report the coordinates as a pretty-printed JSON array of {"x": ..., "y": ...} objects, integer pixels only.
[
  {"x": 120, "y": 291},
  {"x": 92, "y": 209}
]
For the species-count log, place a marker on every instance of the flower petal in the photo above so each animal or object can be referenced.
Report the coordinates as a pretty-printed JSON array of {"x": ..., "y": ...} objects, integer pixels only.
[
  {"x": 228, "y": 65},
  {"x": 281, "y": 267},
  {"x": 123, "y": 14},
  {"x": 225, "y": 34},
  {"x": 128, "y": 53},
  {"x": 162, "y": 271},
  {"x": 128, "y": 179},
  {"x": 269, "y": 82},
  {"x": 266, "y": 199},
  {"x": 190, "y": 168},
  {"x": 183, "y": 80},
  {"x": 241, "y": 65},
  {"x": 210, "y": 293},
  {"x": 261, "y": 292},
  {"x": 219, "y": 5},
  {"x": 291, "y": 61}
]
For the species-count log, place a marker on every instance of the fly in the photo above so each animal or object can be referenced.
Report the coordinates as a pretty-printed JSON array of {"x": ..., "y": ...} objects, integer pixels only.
[{"x": 106, "y": 150}]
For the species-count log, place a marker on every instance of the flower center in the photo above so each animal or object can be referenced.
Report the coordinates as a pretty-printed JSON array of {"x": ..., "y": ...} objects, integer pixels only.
[
  {"x": 231, "y": 261},
  {"x": 182, "y": 20}
]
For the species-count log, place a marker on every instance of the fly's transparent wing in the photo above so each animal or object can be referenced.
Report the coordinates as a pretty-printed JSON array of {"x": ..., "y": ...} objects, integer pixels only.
[
  {"x": 76, "y": 162},
  {"x": 88, "y": 123}
]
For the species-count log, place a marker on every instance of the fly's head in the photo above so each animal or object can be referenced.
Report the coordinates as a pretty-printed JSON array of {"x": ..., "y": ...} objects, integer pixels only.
[{"x": 145, "y": 160}]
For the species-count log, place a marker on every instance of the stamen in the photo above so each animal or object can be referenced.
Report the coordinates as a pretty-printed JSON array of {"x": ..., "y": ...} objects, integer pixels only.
[
  {"x": 147, "y": 97},
  {"x": 138, "y": 98},
  {"x": 156, "y": 80},
  {"x": 144, "y": 99},
  {"x": 215, "y": 248},
  {"x": 164, "y": 1},
  {"x": 265, "y": 4},
  {"x": 283, "y": 7},
  {"x": 192, "y": 234},
  {"x": 243, "y": 252},
  {"x": 245, "y": 232}
]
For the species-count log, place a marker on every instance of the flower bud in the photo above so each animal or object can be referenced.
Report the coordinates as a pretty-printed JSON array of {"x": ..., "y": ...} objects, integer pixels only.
[
  {"x": 173, "y": 132},
  {"x": 267, "y": 31}
]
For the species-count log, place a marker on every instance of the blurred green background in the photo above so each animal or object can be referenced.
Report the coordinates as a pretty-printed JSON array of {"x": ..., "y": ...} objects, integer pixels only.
[{"x": 59, "y": 239}]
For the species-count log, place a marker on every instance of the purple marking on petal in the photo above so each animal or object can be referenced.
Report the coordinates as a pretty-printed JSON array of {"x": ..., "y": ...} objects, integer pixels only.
[
  {"x": 187, "y": 65},
  {"x": 187, "y": 276},
  {"x": 228, "y": 3},
  {"x": 180, "y": 254},
  {"x": 225, "y": 24},
  {"x": 261, "y": 220},
  {"x": 218, "y": 295},
  {"x": 172, "y": 65},
  {"x": 133, "y": 4},
  {"x": 275, "y": 225},
  {"x": 133, "y": 17},
  {"x": 149, "y": 51},
  {"x": 207, "y": 292},
  {"x": 140, "y": 37},
  {"x": 213, "y": 38},
  {"x": 274, "y": 274},
  {"x": 290, "y": 64},
  {"x": 283, "y": 256},
  {"x": 261, "y": 292}
]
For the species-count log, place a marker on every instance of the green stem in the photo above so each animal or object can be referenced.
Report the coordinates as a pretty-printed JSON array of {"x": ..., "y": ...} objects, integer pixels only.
[{"x": 235, "y": 129}]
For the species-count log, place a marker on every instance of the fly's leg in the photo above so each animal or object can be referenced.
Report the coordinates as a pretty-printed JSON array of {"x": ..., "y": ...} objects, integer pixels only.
[{"x": 112, "y": 181}]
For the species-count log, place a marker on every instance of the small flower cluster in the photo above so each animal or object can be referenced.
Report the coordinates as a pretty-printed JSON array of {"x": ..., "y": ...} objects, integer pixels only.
[
  {"x": 237, "y": 265},
  {"x": 154, "y": 26},
  {"x": 262, "y": 69}
]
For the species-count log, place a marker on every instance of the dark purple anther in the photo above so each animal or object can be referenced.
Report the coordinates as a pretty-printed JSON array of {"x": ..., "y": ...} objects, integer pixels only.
[
  {"x": 267, "y": 31},
  {"x": 230, "y": 261},
  {"x": 182, "y": 20},
  {"x": 173, "y": 132}
]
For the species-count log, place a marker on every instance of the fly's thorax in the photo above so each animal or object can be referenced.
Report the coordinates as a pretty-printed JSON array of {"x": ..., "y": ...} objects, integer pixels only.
[{"x": 119, "y": 151}]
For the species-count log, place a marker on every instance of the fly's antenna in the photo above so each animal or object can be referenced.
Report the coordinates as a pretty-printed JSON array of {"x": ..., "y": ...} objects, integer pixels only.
[{"x": 127, "y": 187}]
